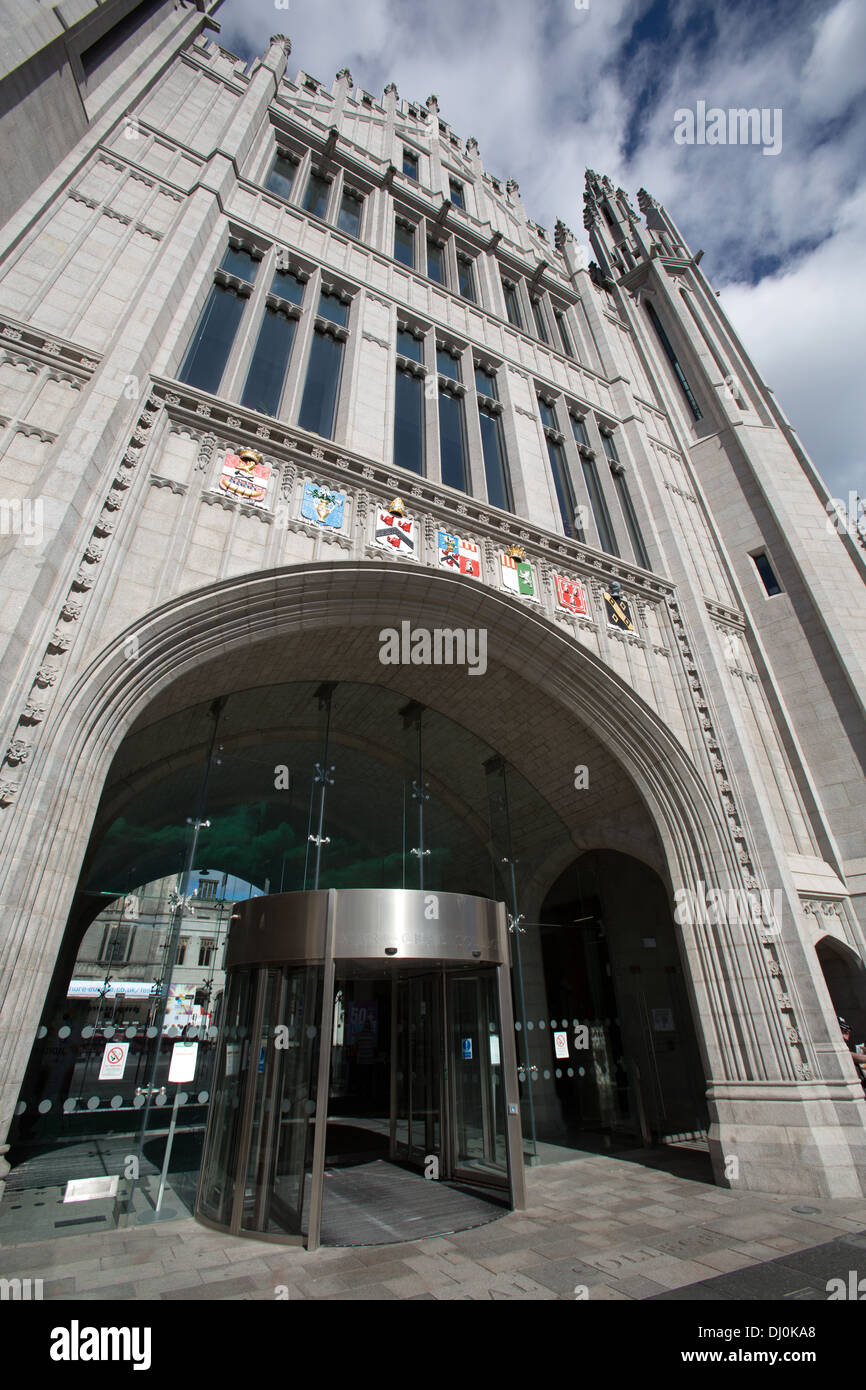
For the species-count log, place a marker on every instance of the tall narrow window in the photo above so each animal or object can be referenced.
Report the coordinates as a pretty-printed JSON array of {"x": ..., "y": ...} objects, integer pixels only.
[
  {"x": 408, "y": 345},
  {"x": 435, "y": 262},
  {"x": 409, "y": 421},
  {"x": 404, "y": 242},
  {"x": 266, "y": 377},
  {"x": 628, "y": 511},
  {"x": 767, "y": 573},
  {"x": 267, "y": 374},
  {"x": 452, "y": 440},
  {"x": 512, "y": 304},
  {"x": 351, "y": 207},
  {"x": 281, "y": 179},
  {"x": 316, "y": 196},
  {"x": 208, "y": 352},
  {"x": 319, "y": 403},
  {"x": 410, "y": 163},
  {"x": 466, "y": 278},
  {"x": 559, "y": 471},
  {"x": 455, "y": 191},
  {"x": 599, "y": 507},
  {"x": 541, "y": 326},
  {"x": 672, "y": 358},
  {"x": 492, "y": 442},
  {"x": 563, "y": 333}
]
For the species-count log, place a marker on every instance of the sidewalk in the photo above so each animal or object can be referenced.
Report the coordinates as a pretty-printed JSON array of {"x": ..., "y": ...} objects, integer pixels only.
[{"x": 618, "y": 1229}]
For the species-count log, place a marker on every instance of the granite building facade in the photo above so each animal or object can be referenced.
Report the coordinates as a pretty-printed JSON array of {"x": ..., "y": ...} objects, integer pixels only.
[{"x": 321, "y": 459}]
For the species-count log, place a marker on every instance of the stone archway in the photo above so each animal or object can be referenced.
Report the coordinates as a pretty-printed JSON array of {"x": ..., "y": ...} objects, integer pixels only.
[{"x": 206, "y": 641}]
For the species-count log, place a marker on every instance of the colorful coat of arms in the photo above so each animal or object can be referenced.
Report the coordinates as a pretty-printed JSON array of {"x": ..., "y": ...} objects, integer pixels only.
[
  {"x": 570, "y": 594},
  {"x": 517, "y": 575},
  {"x": 323, "y": 505},
  {"x": 395, "y": 532},
  {"x": 458, "y": 555},
  {"x": 244, "y": 476}
]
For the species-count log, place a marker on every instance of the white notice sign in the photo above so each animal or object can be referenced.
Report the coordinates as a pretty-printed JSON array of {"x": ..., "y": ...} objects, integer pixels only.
[
  {"x": 560, "y": 1044},
  {"x": 113, "y": 1061},
  {"x": 183, "y": 1060}
]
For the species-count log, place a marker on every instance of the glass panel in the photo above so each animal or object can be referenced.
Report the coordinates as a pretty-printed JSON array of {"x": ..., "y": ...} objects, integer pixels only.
[
  {"x": 267, "y": 374},
  {"x": 287, "y": 285},
  {"x": 512, "y": 306},
  {"x": 768, "y": 578},
  {"x": 211, "y": 344},
  {"x": 548, "y": 416},
  {"x": 404, "y": 244},
  {"x": 477, "y": 1085},
  {"x": 466, "y": 278},
  {"x": 410, "y": 164},
  {"x": 409, "y": 345},
  {"x": 631, "y": 520},
  {"x": 456, "y": 193},
  {"x": 578, "y": 429},
  {"x": 318, "y": 407},
  {"x": 447, "y": 365},
  {"x": 496, "y": 472},
  {"x": 417, "y": 1132},
  {"x": 409, "y": 422},
  {"x": 350, "y": 214},
  {"x": 282, "y": 177},
  {"x": 564, "y": 493},
  {"x": 435, "y": 264},
  {"x": 599, "y": 507},
  {"x": 563, "y": 333},
  {"x": 332, "y": 308},
  {"x": 539, "y": 321},
  {"x": 216, "y": 1193},
  {"x": 486, "y": 383},
  {"x": 240, "y": 263},
  {"x": 674, "y": 361},
  {"x": 281, "y": 1135},
  {"x": 316, "y": 196},
  {"x": 451, "y": 441}
]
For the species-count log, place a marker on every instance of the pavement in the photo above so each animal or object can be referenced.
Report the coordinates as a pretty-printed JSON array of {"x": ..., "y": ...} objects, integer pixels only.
[{"x": 599, "y": 1227}]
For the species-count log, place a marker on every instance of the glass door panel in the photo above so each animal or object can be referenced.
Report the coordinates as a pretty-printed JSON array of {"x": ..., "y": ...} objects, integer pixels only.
[
  {"x": 478, "y": 1097},
  {"x": 218, "y": 1176},
  {"x": 416, "y": 1119}
]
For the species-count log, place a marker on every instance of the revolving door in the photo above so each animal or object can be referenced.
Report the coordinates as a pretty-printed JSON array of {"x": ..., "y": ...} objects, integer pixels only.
[{"x": 384, "y": 1011}]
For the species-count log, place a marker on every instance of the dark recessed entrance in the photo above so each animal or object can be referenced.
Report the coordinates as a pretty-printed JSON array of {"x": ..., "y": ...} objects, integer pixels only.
[{"x": 410, "y": 1040}]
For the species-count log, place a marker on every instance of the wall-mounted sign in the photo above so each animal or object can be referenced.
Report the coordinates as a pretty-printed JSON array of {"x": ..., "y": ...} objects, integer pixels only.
[
  {"x": 458, "y": 555},
  {"x": 183, "y": 1061},
  {"x": 560, "y": 1044},
  {"x": 517, "y": 575},
  {"x": 618, "y": 612},
  {"x": 113, "y": 1061},
  {"x": 395, "y": 532},
  {"x": 467, "y": 1049}
]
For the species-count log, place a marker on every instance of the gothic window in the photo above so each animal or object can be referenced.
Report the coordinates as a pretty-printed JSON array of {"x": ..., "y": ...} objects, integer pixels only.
[{"x": 212, "y": 341}]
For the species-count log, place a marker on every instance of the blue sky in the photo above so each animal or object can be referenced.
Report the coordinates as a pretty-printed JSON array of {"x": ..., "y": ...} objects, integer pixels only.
[{"x": 549, "y": 89}]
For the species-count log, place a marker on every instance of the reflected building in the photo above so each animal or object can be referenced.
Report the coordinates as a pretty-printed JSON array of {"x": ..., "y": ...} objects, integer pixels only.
[{"x": 472, "y": 603}]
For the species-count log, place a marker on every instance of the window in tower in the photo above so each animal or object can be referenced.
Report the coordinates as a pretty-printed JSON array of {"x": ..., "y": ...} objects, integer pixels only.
[
  {"x": 208, "y": 352},
  {"x": 540, "y": 324},
  {"x": 564, "y": 336},
  {"x": 559, "y": 470},
  {"x": 598, "y": 503},
  {"x": 767, "y": 573},
  {"x": 266, "y": 377},
  {"x": 404, "y": 241},
  {"x": 452, "y": 439},
  {"x": 317, "y": 194},
  {"x": 351, "y": 209},
  {"x": 672, "y": 358},
  {"x": 321, "y": 389},
  {"x": 455, "y": 190},
  {"x": 410, "y": 163},
  {"x": 409, "y": 420},
  {"x": 466, "y": 277},
  {"x": 512, "y": 303},
  {"x": 281, "y": 179},
  {"x": 435, "y": 262},
  {"x": 492, "y": 440},
  {"x": 625, "y": 501}
]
